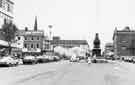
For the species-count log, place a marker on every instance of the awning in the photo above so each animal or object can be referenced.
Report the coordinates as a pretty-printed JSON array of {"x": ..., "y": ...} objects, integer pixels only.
[{"x": 3, "y": 43}]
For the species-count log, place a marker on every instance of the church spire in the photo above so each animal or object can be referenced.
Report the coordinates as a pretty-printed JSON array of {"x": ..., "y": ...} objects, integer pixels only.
[{"x": 35, "y": 25}]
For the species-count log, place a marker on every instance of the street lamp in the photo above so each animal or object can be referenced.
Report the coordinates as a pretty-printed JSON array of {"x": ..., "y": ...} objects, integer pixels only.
[{"x": 50, "y": 31}]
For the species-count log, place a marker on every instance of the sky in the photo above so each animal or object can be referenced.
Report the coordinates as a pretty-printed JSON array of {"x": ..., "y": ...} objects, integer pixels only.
[{"x": 76, "y": 19}]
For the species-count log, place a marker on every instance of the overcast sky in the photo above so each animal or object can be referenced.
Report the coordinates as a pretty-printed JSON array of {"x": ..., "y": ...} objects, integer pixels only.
[{"x": 76, "y": 19}]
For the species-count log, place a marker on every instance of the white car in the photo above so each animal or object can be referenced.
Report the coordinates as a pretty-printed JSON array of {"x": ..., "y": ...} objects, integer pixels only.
[
  {"x": 74, "y": 59},
  {"x": 46, "y": 58},
  {"x": 8, "y": 61}
]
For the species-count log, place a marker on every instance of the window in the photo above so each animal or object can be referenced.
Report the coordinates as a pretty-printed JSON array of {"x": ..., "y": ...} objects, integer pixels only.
[
  {"x": 123, "y": 48},
  {"x": 37, "y": 38},
  {"x": 31, "y": 45},
  {"x": 25, "y": 38},
  {"x": 25, "y": 45},
  {"x": 124, "y": 41},
  {"x": 32, "y": 38},
  {"x": 37, "y": 45}
]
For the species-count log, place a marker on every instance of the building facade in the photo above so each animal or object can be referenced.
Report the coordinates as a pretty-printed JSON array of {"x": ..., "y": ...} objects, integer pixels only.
[
  {"x": 124, "y": 42},
  {"x": 6, "y": 11},
  {"x": 30, "y": 41},
  {"x": 33, "y": 41}
]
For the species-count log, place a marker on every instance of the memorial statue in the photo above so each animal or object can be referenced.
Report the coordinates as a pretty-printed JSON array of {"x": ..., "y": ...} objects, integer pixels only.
[
  {"x": 96, "y": 50},
  {"x": 96, "y": 41}
]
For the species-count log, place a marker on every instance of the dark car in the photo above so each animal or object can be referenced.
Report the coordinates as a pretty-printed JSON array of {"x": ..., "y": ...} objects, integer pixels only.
[
  {"x": 29, "y": 60},
  {"x": 42, "y": 59}
]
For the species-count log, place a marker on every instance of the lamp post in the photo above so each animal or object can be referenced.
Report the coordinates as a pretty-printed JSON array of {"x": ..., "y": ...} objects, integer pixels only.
[{"x": 50, "y": 31}]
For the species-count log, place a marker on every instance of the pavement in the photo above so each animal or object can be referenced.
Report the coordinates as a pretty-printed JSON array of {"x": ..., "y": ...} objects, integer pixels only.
[{"x": 69, "y": 73}]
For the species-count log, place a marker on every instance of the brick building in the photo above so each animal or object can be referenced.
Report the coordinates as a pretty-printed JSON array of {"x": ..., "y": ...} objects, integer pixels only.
[{"x": 124, "y": 42}]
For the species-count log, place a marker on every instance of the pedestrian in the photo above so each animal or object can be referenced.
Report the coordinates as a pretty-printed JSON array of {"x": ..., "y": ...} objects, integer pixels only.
[{"x": 89, "y": 60}]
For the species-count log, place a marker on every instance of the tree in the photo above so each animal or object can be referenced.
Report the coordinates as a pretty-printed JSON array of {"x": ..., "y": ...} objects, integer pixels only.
[{"x": 9, "y": 31}]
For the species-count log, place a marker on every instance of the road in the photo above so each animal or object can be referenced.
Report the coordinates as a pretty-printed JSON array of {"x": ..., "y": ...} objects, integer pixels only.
[{"x": 68, "y": 73}]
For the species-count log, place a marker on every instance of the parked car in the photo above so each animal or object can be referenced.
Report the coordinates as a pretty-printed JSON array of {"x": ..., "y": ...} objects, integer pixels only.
[
  {"x": 46, "y": 58},
  {"x": 20, "y": 61},
  {"x": 8, "y": 61},
  {"x": 41, "y": 59},
  {"x": 128, "y": 59},
  {"x": 51, "y": 58},
  {"x": 29, "y": 60},
  {"x": 74, "y": 59},
  {"x": 133, "y": 59}
]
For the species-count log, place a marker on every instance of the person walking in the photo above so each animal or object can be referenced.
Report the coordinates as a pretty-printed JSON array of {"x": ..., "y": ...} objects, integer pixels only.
[{"x": 89, "y": 60}]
